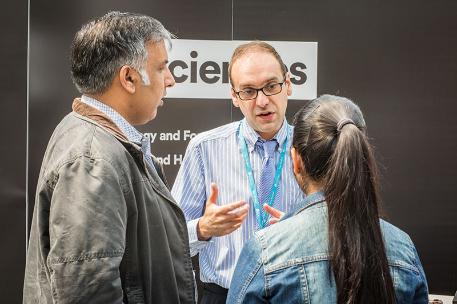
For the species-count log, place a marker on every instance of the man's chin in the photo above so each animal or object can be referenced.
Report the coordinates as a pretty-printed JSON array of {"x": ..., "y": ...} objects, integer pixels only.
[
  {"x": 268, "y": 128},
  {"x": 266, "y": 125},
  {"x": 153, "y": 115}
]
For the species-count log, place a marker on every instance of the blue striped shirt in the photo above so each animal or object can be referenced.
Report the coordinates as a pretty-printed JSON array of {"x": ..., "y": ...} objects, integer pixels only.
[{"x": 215, "y": 156}]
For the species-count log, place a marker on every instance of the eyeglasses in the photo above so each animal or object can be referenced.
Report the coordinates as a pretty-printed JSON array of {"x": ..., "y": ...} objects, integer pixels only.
[{"x": 268, "y": 90}]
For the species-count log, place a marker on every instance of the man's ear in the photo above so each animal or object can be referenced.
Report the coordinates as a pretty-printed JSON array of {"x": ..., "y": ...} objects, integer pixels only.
[
  {"x": 128, "y": 78},
  {"x": 235, "y": 101},
  {"x": 296, "y": 162},
  {"x": 288, "y": 84}
]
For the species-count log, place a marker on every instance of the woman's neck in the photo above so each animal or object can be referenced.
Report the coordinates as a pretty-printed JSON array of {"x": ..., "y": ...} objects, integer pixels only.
[{"x": 312, "y": 187}]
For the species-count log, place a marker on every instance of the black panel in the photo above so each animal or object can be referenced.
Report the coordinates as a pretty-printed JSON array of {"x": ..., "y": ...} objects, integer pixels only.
[{"x": 13, "y": 126}]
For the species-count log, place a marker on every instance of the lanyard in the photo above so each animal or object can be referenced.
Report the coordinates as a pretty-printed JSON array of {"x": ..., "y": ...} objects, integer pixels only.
[{"x": 247, "y": 163}]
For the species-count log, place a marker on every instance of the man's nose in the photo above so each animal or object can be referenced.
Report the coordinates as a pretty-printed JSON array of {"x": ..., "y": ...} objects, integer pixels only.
[
  {"x": 261, "y": 99},
  {"x": 169, "y": 79}
]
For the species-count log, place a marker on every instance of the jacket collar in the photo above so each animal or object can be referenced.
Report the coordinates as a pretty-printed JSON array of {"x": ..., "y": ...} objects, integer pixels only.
[
  {"x": 128, "y": 129},
  {"x": 310, "y": 200},
  {"x": 106, "y": 123},
  {"x": 99, "y": 117}
]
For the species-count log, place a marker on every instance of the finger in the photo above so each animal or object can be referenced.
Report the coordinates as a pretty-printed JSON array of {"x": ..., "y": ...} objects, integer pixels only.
[
  {"x": 226, "y": 229},
  {"x": 237, "y": 226},
  {"x": 229, "y": 221},
  {"x": 232, "y": 206},
  {"x": 238, "y": 212},
  {"x": 213, "y": 194},
  {"x": 273, "y": 211},
  {"x": 226, "y": 221},
  {"x": 273, "y": 220},
  {"x": 240, "y": 218},
  {"x": 234, "y": 227}
]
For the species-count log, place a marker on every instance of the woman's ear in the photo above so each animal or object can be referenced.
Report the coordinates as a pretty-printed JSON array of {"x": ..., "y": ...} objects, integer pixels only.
[
  {"x": 300, "y": 173},
  {"x": 296, "y": 161}
]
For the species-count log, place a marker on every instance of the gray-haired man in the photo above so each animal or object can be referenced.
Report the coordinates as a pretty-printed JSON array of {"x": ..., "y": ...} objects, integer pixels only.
[{"x": 105, "y": 228}]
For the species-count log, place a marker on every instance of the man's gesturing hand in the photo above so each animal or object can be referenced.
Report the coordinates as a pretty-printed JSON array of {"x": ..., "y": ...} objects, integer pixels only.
[
  {"x": 220, "y": 220},
  {"x": 276, "y": 215}
]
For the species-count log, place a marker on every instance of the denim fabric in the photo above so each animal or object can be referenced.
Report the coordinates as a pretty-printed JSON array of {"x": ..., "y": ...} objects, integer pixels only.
[{"x": 289, "y": 262}]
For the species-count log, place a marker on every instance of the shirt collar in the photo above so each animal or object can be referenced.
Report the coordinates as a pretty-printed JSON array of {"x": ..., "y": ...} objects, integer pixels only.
[
  {"x": 251, "y": 136},
  {"x": 129, "y": 131},
  {"x": 312, "y": 199}
]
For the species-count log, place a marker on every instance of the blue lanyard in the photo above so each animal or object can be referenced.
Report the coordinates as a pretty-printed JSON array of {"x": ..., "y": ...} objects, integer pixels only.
[{"x": 257, "y": 207}]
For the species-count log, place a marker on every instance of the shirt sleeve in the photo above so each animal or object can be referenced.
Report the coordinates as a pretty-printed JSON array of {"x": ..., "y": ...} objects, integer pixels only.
[
  {"x": 189, "y": 191},
  {"x": 87, "y": 227},
  {"x": 248, "y": 283}
]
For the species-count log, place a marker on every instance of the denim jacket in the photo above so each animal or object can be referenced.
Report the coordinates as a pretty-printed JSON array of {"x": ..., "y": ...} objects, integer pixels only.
[{"x": 289, "y": 261}]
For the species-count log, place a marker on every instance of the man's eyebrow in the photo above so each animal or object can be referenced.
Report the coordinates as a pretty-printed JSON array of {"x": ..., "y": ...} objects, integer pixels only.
[
  {"x": 246, "y": 85},
  {"x": 272, "y": 79}
]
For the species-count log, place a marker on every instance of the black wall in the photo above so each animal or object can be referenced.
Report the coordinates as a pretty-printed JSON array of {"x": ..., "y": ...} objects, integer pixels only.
[
  {"x": 13, "y": 127},
  {"x": 397, "y": 60}
]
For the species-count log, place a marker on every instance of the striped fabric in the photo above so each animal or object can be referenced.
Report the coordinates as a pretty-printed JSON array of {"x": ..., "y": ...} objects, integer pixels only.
[
  {"x": 129, "y": 131},
  {"x": 214, "y": 156},
  {"x": 268, "y": 172}
]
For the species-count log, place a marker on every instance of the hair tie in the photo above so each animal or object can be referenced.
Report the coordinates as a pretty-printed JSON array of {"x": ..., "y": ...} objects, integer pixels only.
[{"x": 342, "y": 123}]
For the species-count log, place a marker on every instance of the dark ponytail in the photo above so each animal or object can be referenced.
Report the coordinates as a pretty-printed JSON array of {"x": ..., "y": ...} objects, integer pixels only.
[{"x": 330, "y": 137}]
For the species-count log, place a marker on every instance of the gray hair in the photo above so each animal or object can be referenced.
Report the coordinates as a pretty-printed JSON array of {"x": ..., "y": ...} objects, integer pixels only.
[{"x": 102, "y": 46}]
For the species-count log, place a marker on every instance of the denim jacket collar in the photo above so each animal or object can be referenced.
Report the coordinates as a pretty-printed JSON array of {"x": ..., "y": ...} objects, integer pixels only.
[{"x": 310, "y": 200}]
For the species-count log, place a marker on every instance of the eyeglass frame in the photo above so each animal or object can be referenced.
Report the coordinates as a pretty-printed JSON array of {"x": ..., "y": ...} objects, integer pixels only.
[{"x": 261, "y": 89}]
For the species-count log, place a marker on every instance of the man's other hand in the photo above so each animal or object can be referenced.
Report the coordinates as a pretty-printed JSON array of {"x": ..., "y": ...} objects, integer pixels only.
[
  {"x": 276, "y": 215},
  {"x": 220, "y": 220}
]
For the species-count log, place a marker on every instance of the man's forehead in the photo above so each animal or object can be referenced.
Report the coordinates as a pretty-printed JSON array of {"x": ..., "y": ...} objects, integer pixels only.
[
  {"x": 157, "y": 51},
  {"x": 255, "y": 68},
  {"x": 256, "y": 58}
]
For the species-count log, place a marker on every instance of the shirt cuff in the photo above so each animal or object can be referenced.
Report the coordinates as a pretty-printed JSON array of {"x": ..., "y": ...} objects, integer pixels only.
[{"x": 194, "y": 244}]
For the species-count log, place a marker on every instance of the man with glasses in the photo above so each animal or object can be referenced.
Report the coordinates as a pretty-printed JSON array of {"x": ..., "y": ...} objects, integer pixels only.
[{"x": 236, "y": 179}]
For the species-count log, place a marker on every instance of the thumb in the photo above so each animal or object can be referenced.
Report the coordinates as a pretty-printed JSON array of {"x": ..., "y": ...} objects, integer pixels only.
[{"x": 213, "y": 194}]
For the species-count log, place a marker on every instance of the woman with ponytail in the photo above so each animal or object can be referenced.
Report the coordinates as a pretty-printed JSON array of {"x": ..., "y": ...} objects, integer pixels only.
[{"x": 334, "y": 248}]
